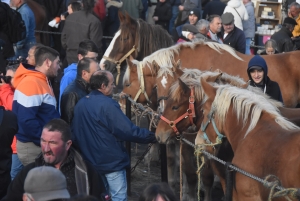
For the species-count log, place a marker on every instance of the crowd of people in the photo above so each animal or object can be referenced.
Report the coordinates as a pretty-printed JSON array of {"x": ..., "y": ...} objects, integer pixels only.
[{"x": 66, "y": 143}]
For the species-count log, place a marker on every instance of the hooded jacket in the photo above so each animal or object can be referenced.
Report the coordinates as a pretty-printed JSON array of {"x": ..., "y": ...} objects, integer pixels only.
[
  {"x": 269, "y": 87},
  {"x": 34, "y": 103},
  {"x": 237, "y": 8},
  {"x": 86, "y": 179},
  {"x": 70, "y": 74}
]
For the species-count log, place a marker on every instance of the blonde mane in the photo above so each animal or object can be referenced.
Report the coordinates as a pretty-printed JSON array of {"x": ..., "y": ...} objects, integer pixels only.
[
  {"x": 246, "y": 103},
  {"x": 165, "y": 56}
]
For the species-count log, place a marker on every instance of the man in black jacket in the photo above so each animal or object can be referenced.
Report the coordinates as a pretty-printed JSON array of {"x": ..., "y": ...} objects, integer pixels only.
[
  {"x": 8, "y": 129},
  {"x": 78, "y": 88},
  {"x": 6, "y": 47},
  {"x": 57, "y": 152},
  {"x": 283, "y": 36},
  {"x": 232, "y": 35}
]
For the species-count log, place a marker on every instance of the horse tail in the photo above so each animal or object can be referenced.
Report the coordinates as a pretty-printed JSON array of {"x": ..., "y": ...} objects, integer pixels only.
[{"x": 229, "y": 178}]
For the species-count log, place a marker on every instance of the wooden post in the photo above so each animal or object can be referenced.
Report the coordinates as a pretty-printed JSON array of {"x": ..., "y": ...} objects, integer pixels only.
[{"x": 128, "y": 148}]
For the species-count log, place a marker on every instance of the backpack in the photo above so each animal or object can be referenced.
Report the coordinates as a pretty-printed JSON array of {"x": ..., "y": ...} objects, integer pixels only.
[{"x": 15, "y": 27}]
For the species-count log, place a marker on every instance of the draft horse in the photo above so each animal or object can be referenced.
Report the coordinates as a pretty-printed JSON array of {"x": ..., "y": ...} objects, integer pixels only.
[
  {"x": 283, "y": 68},
  {"x": 264, "y": 143}
]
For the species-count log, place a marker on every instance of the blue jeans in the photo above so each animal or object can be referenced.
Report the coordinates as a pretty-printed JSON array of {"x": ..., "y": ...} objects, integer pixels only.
[
  {"x": 16, "y": 166},
  {"x": 248, "y": 41},
  {"x": 116, "y": 184},
  {"x": 175, "y": 11}
]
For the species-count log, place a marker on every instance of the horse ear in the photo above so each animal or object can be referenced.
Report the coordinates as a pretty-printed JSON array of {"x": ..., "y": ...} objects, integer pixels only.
[
  {"x": 178, "y": 71},
  {"x": 245, "y": 86},
  {"x": 218, "y": 71},
  {"x": 128, "y": 18},
  {"x": 155, "y": 66},
  {"x": 185, "y": 88},
  {"x": 213, "y": 78},
  {"x": 121, "y": 16},
  {"x": 209, "y": 90},
  {"x": 131, "y": 65}
]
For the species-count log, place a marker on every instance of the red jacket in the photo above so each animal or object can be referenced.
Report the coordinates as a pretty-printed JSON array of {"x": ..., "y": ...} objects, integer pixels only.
[
  {"x": 6, "y": 100},
  {"x": 100, "y": 9}
]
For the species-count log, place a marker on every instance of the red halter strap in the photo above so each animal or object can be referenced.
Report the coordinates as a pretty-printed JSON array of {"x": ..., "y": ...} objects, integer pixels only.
[{"x": 189, "y": 113}]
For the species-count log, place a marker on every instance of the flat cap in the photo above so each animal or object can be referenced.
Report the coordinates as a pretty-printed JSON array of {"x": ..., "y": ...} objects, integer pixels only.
[{"x": 227, "y": 18}]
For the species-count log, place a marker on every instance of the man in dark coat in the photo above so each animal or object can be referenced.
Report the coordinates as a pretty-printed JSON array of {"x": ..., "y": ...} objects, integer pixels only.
[
  {"x": 6, "y": 47},
  {"x": 232, "y": 35},
  {"x": 283, "y": 36},
  {"x": 214, "y": 7},
  {"x": 163, "y": 13},
  {"x": 78, "y": 88},
  {"x": 8, "y": 129},
  {"x": 258, "y": 75},
  {"x": 57, "y": 152},
  {"x": 79, "y": 26},
  {"x": 100, "y": 129}
]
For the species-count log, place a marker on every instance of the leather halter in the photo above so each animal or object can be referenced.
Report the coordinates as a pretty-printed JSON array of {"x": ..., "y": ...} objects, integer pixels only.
[
  {"x": 189, "y": 113},
  {"x": 118, "y": 63},
  {"x": 211, "y": 119},
  {"x": 142, "y": 85}
]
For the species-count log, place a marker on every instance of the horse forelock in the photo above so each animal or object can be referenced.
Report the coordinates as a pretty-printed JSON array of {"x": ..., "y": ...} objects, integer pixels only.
[
  {"x": 246, "y": 104},
  {"x": 176, "y": 92}
]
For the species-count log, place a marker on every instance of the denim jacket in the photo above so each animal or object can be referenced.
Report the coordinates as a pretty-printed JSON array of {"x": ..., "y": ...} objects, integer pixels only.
[{"x": 29, "y": 20}]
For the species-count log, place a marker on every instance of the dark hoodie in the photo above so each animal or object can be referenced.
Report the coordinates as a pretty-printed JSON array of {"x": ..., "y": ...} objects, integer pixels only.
[{"x": 268, "y": 86}]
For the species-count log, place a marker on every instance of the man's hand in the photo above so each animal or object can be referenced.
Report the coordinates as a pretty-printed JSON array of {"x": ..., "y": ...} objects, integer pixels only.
[
  {"x": 190, "y": 36},
  {"x": 155, "y": 18},
  {"x": 181, "y": 8},
  {"x": 290, "y": 14}
]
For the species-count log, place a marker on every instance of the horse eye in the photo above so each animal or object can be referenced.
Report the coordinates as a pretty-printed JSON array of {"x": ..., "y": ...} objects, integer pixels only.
[
  {"x": 175, "y": 108},
  {"x": 127, "y": 84}
]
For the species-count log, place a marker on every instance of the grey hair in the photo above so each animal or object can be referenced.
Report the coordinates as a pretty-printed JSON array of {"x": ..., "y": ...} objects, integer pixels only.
[
  {"x": 271, "y": 43},
  {"x": 202, "y": 24},
  {"x": 295, "y": 4}
]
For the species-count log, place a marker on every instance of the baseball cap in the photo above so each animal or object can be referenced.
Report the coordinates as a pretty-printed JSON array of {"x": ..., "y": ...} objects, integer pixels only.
[
  {"x": 227, "y": 18},
  {"x": 46, "y": 183}
]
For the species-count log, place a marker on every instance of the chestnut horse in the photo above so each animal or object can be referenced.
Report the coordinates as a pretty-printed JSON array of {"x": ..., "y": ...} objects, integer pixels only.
[
  {"x": 263, "y": 142},
  {"x": 165, "y": 133},
  {"x": 135, "y": 39},
  {"x": 283, "y": 68}
]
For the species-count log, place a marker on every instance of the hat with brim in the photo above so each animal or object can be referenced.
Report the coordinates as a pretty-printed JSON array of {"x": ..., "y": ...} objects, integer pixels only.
[
  {"x": 190, "y": 28},
  {"x": 255, "y": 68},
  {"x": 51, "y": 195},
  {"x": 227, "y": 18}
]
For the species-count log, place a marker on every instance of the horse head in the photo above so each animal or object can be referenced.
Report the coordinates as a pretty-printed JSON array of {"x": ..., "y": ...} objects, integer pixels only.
[
  {"x": 165, "y": 78},
  {"x": 123, "y": 45},
  {"x": 139, "y": 83}
]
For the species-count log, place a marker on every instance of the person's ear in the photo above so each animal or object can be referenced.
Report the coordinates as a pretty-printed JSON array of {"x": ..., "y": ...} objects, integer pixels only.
[
  {"x": 80, "y": 57},
  {"x": 68, "y": 144}
]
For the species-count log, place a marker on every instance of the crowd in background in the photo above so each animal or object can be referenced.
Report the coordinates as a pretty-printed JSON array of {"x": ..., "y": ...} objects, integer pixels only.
[{"x": 47, "y": 116}]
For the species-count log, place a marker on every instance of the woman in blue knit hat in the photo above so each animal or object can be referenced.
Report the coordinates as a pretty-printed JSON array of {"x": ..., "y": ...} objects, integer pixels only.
[{"x": 258, "y": 75}]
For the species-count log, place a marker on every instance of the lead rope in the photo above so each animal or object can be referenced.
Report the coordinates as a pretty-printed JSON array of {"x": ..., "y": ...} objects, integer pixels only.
[
  {"x": 200, "y": 164},
  {"x": 180, "y": 167}
]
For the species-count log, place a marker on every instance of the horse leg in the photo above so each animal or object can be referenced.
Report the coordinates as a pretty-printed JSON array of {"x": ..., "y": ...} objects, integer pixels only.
[
  {"x": 207, "y": 177},
  {"x": 172, "y": 164},
  {"x": 189, "y": 170}
]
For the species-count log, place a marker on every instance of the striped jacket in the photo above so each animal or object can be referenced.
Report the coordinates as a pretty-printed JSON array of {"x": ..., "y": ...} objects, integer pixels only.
[{"x": 34, "y": 103}]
